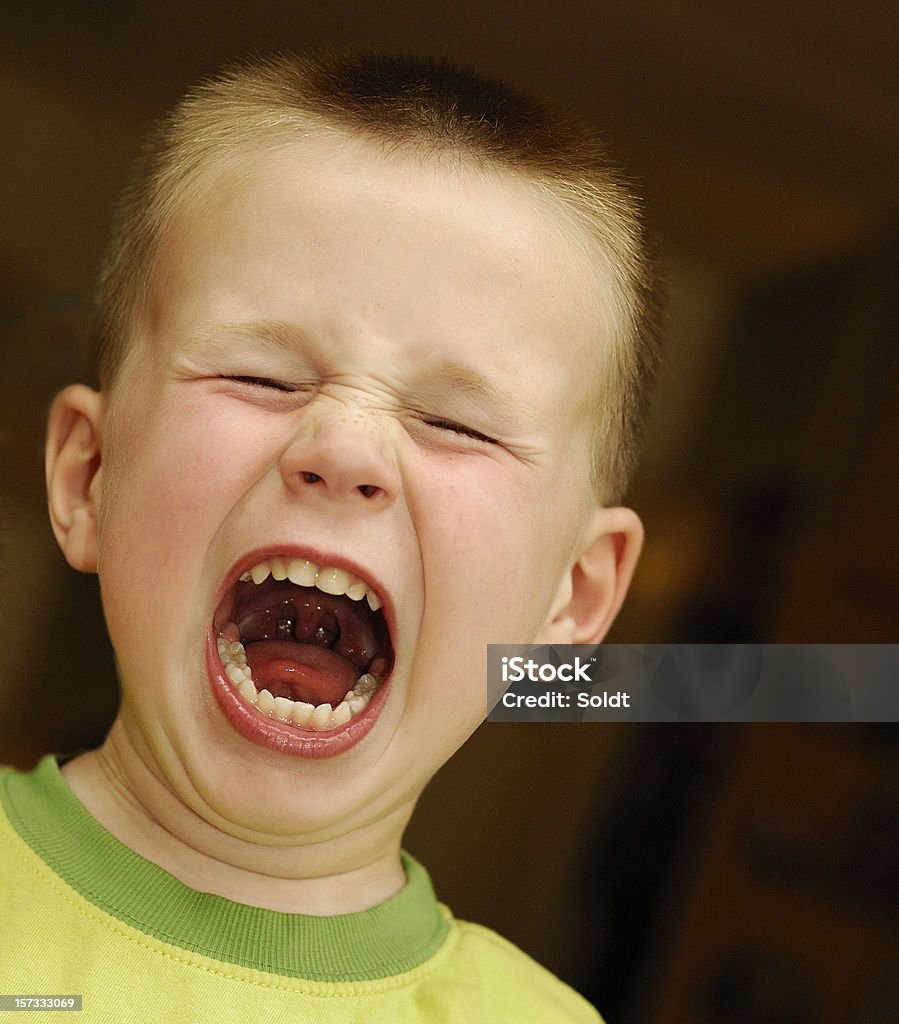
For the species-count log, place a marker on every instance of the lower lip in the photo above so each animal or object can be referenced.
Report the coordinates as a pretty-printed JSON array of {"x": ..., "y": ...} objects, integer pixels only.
[{"x": 279, "y": 736}]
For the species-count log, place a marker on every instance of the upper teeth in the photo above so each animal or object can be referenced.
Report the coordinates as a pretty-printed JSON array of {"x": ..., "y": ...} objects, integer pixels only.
[{"x": 304, "y": 573}]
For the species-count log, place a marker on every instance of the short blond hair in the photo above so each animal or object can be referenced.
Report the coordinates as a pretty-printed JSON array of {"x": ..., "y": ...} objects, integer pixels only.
[{"x": 400, "y": 103}]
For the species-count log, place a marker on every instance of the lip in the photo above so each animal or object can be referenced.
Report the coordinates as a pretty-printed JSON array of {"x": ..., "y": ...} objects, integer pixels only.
[{"x": 270, "y": 732}]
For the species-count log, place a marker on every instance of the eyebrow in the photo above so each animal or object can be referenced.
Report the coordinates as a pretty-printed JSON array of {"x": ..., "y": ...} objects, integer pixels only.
[
  {"x": 462, "y": 378},
  {"x": 274, "y": 334}
]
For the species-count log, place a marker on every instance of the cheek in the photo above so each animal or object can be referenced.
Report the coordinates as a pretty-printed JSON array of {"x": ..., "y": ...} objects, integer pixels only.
[
  {"x": 468, "y": 508},
  {"x": 171, "y": 475},
  {"x": 180, "y": 458},
  {"x": 495, "y": 540},
  {"x": 174, "y": 475}
]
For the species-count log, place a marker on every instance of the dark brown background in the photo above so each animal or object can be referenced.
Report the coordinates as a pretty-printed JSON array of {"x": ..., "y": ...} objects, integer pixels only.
[{"x": 673, "y": 873}]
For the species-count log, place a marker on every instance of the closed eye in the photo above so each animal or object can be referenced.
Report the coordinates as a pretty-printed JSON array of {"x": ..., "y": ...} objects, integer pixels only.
[
  {"x": 458, "y": 428},
  {"x": 265, "y": 382}
]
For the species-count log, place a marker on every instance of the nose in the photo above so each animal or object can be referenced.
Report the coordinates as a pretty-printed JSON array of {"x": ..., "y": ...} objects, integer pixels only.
[{"x": 343, "y": 454}]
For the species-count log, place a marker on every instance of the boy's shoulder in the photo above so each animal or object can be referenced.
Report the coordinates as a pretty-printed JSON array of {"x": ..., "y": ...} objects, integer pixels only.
[{"x": 511, "y": 981}]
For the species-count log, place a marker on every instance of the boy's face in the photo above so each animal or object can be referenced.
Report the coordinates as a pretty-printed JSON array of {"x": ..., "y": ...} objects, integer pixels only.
[{"x": 370, "y": 363}]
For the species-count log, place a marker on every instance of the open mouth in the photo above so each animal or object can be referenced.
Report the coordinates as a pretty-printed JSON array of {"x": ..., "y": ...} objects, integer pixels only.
[{"x": 304, "y": 644}]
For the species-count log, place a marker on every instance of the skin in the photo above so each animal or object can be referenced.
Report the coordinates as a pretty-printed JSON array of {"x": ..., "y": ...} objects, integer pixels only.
[{"x": 377, "y": 291}]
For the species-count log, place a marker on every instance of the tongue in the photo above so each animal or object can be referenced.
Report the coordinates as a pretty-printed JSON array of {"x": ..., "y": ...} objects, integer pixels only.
[{"x": 300, "y": 671}]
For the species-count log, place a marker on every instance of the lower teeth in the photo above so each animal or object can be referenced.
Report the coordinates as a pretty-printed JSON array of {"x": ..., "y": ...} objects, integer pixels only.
[{"x": 318, "y": 718}]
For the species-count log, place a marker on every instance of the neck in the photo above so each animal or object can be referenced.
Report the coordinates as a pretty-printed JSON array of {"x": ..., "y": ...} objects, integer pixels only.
[{"x": 337, "y": 875}]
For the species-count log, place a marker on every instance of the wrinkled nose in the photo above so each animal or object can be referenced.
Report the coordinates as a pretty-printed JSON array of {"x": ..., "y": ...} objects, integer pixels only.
[{"x": 341, "y": 454}]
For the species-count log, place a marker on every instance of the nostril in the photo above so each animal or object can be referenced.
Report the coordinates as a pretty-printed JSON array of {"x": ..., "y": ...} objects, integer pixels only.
[{"x": 366, "y": 490}]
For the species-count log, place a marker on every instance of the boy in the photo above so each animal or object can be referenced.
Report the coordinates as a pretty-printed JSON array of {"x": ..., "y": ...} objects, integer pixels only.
[{"x": 374, "y": 347}]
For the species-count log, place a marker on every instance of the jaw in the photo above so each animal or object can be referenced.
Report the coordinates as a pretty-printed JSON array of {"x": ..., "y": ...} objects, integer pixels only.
[{"x": 299, "y": 654}]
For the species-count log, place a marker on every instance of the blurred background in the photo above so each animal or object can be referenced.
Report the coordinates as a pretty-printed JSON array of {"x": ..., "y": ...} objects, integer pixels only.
[{"x": 713, "y": 873}]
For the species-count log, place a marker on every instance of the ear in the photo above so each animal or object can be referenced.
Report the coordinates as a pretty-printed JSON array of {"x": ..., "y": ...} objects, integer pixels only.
[
  {"x": 74, "y": 445},
  {"x": 593, "y": 591}
]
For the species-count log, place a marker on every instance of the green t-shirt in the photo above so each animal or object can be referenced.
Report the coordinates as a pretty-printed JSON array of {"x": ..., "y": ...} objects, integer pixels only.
[{"x": 81, "y": 914}]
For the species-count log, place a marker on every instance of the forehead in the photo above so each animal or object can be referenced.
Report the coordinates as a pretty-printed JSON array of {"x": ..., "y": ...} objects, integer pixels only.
[{"x": 415, "y": 246}]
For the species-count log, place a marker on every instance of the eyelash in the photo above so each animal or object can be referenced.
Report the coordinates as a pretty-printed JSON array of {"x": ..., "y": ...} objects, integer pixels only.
[
  {"x": 265, "y": 382},
  {"x": 457, "y": 428},
  {"x": 439, "y": 424}
]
